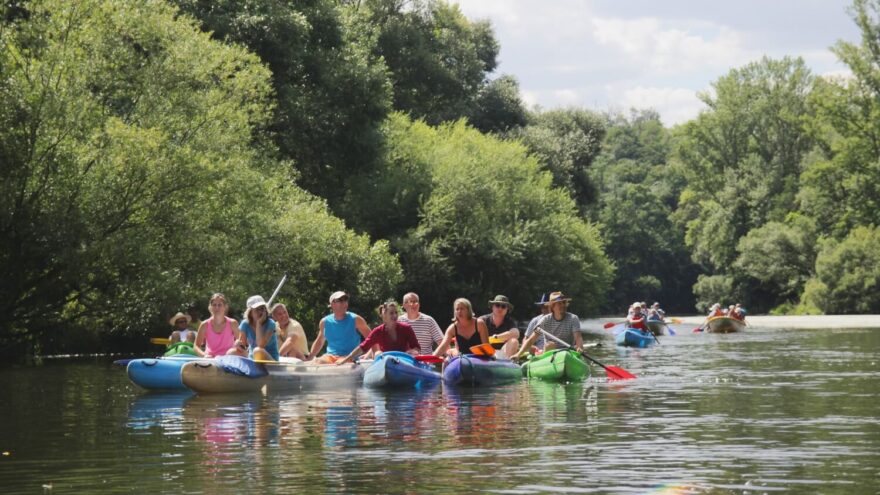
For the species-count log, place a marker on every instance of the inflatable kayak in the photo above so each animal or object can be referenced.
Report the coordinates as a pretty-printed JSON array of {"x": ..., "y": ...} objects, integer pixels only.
[
  {"x": 725, "y": 324},
  {"x": 399, "y": 369},
  {"x": 478, "y": 371},
  {"x": 180, "y": 349},
  {"x": 563, "y": 365},
  {"x": 159, "y": 373},
  {"x": 633, "y": 337},
  {"x": 234, "y": 374}
]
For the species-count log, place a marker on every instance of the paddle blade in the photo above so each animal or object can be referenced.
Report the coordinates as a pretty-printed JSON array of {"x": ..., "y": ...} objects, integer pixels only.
[
  {"x": 675, "y": 320},
  {"x": 608, "y": 325},
  {"x": 697, "y": 330},
  {"x": 483, "y": 350},
  {"x": 160, "y": 341},
  {"x": 670, "y": 330},
  {"x": 615, "y": 373},
  {"x": 429, "y": 358}
]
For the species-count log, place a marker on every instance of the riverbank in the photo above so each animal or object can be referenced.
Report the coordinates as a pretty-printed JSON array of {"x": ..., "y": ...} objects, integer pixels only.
[{"x": 802, "y": 321}]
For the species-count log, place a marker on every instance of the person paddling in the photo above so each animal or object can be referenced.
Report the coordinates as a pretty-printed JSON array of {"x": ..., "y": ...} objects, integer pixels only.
[
  {"x": 559, "y": 322},
  {"x": 391, "y": 335},
  {"x": 217, "y": 335}
]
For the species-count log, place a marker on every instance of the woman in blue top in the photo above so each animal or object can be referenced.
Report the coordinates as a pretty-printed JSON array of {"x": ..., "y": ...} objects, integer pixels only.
[{"x": 258, "y": 331}]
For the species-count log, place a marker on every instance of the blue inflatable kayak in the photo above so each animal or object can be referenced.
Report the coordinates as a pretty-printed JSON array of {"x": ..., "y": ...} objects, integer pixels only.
[
  {"x": 399, "y": 369},
  {"x": 479, "y": 371},
  {"x": 633, "y": 337},
  {"x": 159, "y": 373}
]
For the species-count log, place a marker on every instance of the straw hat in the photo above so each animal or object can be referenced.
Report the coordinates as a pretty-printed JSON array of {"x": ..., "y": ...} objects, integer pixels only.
[{"x": 179, "y": 315}]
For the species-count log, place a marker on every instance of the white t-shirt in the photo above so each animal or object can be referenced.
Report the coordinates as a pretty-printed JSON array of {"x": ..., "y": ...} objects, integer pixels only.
[{"x": 427, "y": 331}]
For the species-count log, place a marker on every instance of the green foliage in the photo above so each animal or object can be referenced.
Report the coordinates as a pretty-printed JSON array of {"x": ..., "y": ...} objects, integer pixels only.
[
  {"x": 636, "y": 198},
  {"x": 840, "y": 187},
  {"x": 565, "y": 142},
  {"x": 741, "y": 159},
  {"x": 488, "y": 221},
  {"x": 847, "y": 274},
  {"x": 780, "y": 256},
  {"x": 437, "y": 59},
  {"x": 710, "y": 289},
  {"x": 497, "y": 107},
  {"x": 135, "y": 183},
  {"x": 332, "y": 93}
]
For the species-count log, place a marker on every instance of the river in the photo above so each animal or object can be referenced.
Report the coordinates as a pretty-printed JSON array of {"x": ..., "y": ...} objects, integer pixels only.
[{"x": 768, "y": 410}]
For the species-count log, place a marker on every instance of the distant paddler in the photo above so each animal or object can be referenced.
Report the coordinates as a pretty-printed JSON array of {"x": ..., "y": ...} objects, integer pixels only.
[
  {"x": 501, "y": 327},
  {"x": 181, "y": 332},
  {"x": 559, "y": 322},
  {"x": 258, "y": 331}
]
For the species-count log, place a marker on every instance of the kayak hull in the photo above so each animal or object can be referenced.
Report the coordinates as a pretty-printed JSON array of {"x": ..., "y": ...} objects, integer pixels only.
[
  {"x": 246, "y": 375},
  {"x": 725, "y": 324},
  {"x": 560, "y": 365},
  {"x": 633, "y": 337},
  {"x": 473, "y": 371},
  {"x": 159, "y": 373},
  {"x": 399, "y": 370}
]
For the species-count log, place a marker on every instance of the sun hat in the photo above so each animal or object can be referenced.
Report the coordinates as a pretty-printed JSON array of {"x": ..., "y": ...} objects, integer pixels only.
[
  {"x": 337, "y": 295},
  {"x": 179, "y": 315},
  {"x": 499, "y": 299},
  {"x": 256, "y": 302},
  {"x": 556, "y": 297},
  {"x": 544, "y": 298}
]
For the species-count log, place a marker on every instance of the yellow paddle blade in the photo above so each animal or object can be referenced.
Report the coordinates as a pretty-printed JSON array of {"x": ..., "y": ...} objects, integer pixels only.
[
  {"x": 160, "y": 341},
  {"x": 675, "y": 320},
  {"x": 495, "y": 340}
]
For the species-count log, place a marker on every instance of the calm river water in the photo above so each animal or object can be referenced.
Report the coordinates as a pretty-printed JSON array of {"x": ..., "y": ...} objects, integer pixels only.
[{"x": 765, "y": 411}]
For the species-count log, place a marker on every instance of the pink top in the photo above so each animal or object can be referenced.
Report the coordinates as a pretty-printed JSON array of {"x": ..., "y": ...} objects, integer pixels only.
[{"x": 217, "y": 344}]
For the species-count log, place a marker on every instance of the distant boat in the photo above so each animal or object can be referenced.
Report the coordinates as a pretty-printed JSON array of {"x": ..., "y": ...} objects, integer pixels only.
[{"x": 725, "y": 324}]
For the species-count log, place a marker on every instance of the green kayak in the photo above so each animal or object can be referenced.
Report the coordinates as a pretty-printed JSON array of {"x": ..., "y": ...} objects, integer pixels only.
[{"x": 562, "y": 365}]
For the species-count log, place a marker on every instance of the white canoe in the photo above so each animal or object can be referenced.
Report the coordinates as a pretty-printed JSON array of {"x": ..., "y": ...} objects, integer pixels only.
[{"x": 211, "y": 377}]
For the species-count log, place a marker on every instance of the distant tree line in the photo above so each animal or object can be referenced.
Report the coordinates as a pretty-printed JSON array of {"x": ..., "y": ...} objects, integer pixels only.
[{"x": 153, "y": 153}]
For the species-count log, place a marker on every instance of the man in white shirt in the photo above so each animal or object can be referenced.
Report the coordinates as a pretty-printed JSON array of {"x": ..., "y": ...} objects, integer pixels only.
[{"x": 425, "y": 327}]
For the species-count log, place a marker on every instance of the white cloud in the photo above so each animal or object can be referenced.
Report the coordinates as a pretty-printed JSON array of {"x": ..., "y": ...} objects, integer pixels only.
[
  {"x": 675, "y": 105},
  {"x": 669, "y": 48}
]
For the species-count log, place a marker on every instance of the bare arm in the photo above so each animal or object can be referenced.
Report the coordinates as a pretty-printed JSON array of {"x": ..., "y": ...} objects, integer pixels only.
[
  {"x": 447, "y": 339},
  {"x": 318, "y": 344},
  {"x": 483, "y": 330},
  {"x": 357, "y": 351},
  {"x": 361, "y": 324},
  {"x": 200, "y": 339}
]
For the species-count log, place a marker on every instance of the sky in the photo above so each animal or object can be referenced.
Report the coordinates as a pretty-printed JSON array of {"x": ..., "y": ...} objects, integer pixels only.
[{"x": 613, "y": 55}]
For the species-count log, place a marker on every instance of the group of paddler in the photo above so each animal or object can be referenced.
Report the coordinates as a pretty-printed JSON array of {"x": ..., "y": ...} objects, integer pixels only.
[{"x": 269, "y": 333}]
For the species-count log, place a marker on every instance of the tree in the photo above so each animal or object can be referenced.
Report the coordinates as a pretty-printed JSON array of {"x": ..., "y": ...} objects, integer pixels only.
[
  {"x": 498, "y": 107},
  {"x": 565, "y": 142},
  {"x": 332, "y": 93},
  {"x": 847, "y": 274},
  {"x": 437, "y": 59},
  {"x": 135, "y": 182}
]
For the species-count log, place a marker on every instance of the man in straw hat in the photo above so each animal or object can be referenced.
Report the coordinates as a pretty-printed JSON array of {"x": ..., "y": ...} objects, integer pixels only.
[
  {"x": 559, "y": 322},
  {"x": 181, "y": 332}
]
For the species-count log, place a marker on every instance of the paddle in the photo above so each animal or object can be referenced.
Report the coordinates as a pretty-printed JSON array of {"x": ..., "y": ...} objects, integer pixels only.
[
  {"x": 160, "y": 341},
  {"x": 613, "y": 372},
  {"x": 610, "y": 325},
  {"x": 429, "y": 358},
  {"x": 272, "y": 298}
]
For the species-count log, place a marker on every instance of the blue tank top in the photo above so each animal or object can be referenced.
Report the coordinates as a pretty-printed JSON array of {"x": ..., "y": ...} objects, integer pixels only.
[{"x": 341, "y": 335}]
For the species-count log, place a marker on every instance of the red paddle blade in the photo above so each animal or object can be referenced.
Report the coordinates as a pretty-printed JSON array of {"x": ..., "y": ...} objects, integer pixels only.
[
  {"x": 615, "y": 373},
  {"x": 429, "y": 358},
  {"x": 483, "y": 350},
  {"x": 608, "y": 325}
]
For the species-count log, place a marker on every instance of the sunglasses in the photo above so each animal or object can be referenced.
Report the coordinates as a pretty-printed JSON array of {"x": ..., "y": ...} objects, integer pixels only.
[{"x": 499, "y": 305}]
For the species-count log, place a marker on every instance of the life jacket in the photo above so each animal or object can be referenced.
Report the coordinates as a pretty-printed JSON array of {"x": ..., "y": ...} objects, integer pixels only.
[{"x": 638, "y": 322}]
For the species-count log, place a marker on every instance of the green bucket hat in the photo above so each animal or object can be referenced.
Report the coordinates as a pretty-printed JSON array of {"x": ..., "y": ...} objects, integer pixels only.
[{"x": 499, "y": 299}]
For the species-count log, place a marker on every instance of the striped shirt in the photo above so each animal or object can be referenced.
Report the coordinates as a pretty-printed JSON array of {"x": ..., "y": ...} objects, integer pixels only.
[
  {"x": 564, "y": 329},
  {"x": 427, "y": 331}
]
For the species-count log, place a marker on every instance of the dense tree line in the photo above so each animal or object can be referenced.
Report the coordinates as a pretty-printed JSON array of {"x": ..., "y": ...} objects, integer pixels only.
[{"x": 155, "y": 152}]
